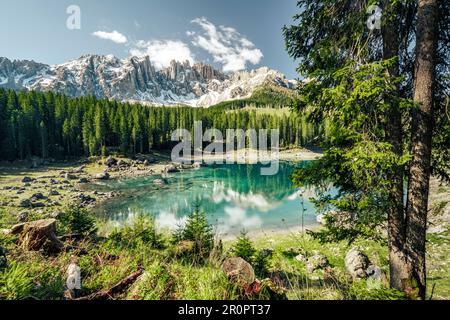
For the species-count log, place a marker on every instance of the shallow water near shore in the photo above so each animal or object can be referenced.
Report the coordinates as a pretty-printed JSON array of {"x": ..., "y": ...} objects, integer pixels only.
[{"x": 235, "y": 197}]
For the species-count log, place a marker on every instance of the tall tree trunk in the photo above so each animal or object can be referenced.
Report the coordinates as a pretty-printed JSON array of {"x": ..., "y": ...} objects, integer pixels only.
[
  {"x": 394, "y": 134},
  {"x": 423, "y": 120}
]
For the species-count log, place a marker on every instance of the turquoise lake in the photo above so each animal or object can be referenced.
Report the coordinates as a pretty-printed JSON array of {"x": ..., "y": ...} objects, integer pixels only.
[{"x": 235, "y": 197}]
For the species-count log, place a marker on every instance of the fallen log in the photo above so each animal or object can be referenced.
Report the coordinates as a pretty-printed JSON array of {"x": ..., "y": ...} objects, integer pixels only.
[{"x": 118, "y": 288}]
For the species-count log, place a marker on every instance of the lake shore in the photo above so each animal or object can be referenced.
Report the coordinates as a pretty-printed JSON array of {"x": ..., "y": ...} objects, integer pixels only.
[
  {"x": 43, "y": 187},
  {"x": 161, "y": 160},
  {"x": 272, "y": 234},
  {"x": 251, "y": 156},
  {"x": 46, "y": 188}
]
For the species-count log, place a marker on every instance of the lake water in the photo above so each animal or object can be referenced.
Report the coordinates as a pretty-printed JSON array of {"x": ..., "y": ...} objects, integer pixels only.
[{"x": 235, "y": 197}]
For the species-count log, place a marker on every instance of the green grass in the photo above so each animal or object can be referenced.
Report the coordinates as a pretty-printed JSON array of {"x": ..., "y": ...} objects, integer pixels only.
[
  {"x": 318, "y": 285},
  {"x": 166, "y": 277},
  {"x": 438, "y": 267},
  {"x": 176, "y": 280}
]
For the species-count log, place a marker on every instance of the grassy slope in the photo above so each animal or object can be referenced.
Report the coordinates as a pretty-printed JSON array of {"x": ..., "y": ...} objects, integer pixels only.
[
  {"x": 169, "y": 278},
  {"x": 266, "y": 96}
]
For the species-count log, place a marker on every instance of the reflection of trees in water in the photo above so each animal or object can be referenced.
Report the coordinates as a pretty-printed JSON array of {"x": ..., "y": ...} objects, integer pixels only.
[
  {"x": 208, "y": 188},
  {"x": 247, "y": 179}
]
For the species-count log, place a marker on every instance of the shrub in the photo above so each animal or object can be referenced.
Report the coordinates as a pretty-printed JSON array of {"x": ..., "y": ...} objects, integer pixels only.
[
  {"x": 77, "y": 220},
  {"x": 140, "y": 230},
  {"x": 261, "y": 260},
  {"x": 197, "y": 230},
  {"x": 257, "y": 258},
  {"x": 244, "y": 248}
]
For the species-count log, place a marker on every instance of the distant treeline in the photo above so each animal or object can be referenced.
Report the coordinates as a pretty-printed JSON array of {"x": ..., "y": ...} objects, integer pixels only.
[{"x": 54, "y": 125}]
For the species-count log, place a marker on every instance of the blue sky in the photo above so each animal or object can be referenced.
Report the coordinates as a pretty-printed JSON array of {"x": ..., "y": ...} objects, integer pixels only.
[{"x": 231, "y": 34}]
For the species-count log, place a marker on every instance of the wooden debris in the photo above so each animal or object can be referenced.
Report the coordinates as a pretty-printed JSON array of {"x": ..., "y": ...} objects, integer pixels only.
[{"x": 118, "y": 288}]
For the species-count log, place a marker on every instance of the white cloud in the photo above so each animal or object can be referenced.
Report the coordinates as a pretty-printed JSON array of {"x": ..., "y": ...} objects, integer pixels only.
[
  {"x": 162, "y": 52},
  {"x": 114, "y": 36},
  {"x": 226, "y": 45},
  {"x": 166, "y": 220},
  {"x": 237, "y": 219},
  {"x": 242, "y": 200}
]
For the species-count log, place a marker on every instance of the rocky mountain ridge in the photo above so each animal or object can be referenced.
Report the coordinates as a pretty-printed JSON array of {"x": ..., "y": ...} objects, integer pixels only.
[{"x": 135, "y": 79}]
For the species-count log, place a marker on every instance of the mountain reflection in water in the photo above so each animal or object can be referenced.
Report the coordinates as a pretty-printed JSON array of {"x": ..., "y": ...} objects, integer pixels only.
[{"x": 235, "y": 197}]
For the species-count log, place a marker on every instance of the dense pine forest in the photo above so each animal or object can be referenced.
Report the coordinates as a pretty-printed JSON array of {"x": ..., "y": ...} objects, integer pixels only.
[{"x": 54, "y": 125}]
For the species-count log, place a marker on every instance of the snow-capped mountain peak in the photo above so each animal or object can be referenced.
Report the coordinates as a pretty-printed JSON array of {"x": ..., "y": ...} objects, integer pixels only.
[{"x": 136, "y": 79}]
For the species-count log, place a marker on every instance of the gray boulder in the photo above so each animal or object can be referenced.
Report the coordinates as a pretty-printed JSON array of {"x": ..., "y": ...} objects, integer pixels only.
[
  {"x": 22, "y": 216},
  {"x": 38, "y": 205},
  {"x": 38, "y": 196},
  {"x": 102, "y": 176},
  {"x": 110, "y": 162},
  {"x": 83, "y": 180},
  {"x": 26, "y": 179},
  {"x": 144, "y": 159},
  {"x": 25, "y": 203},
  {"x": 122, "y": 163},
  {"x": 317, "y": 261},
  {"x": 197, "y": 165},
  {"x": 84, "y": 200},
  {"x": 357, "y": 263},
  {"x": 53, "y": 193},
  {"x": 171, "y": 169}
]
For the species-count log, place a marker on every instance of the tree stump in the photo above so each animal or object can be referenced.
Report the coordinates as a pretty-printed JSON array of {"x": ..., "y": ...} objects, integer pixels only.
[{"x": 40, "y": 234}]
